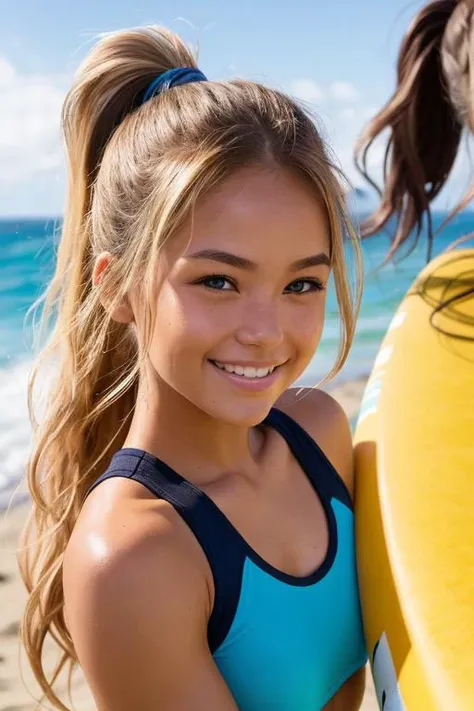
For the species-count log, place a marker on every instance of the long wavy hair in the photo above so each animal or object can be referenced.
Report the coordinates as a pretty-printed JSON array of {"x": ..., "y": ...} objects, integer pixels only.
[
  {"x": 135, "y": 172},
  {"x": 433, "y": 102}
]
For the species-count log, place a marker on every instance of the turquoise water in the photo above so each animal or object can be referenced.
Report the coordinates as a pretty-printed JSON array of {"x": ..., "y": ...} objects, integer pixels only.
[{"x": 27, "y": 249}]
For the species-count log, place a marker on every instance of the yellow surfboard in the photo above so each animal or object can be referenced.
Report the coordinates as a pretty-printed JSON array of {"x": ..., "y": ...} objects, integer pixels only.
[{"x": 415, "y": 496}]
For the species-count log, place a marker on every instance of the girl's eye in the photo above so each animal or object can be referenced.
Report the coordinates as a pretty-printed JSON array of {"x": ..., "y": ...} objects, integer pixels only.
[
  {"x": 303, "y": 286},
  {"x": 217, "y": 282}
]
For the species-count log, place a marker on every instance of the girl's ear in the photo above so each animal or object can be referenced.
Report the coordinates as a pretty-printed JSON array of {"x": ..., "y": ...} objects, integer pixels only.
[{"x": 122, "y": 312}]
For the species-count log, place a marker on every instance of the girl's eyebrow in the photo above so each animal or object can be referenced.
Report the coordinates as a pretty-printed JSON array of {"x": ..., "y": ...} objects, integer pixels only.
[{"x": 242, "y": 263}]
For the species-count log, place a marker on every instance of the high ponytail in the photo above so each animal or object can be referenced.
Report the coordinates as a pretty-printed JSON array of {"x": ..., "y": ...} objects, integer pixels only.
[
  {"x": 137, "y": 169},
  {"x": 425, "y": 117},
  {"x": 94, "y": 359}
]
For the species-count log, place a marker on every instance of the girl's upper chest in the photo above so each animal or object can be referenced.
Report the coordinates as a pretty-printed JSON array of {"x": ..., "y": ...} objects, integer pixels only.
[{"x": 279, "y": 513}]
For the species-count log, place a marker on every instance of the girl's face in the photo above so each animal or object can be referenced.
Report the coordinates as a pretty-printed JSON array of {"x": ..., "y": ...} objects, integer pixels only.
[{"x": 241, "y": 301}]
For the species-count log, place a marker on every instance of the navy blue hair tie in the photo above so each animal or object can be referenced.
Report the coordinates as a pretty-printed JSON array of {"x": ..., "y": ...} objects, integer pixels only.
[{"x": 173, "y": 77}]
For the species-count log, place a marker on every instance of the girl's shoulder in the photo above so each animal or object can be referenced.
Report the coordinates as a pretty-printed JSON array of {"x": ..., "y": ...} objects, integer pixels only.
[
  {"x": 137, "y": 603},
  {"x": 128, "y": 540},
  {"x": 325, "y": 420}
]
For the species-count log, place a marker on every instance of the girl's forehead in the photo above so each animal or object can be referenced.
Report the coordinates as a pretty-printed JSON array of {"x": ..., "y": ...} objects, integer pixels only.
[{"x": 254, "y": 213}]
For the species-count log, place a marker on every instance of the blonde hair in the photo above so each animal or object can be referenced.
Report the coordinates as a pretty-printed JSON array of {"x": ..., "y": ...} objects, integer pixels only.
[{"x": 135, "y": 172}]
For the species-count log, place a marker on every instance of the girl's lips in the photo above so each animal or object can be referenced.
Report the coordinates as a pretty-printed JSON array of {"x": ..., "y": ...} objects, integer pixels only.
[{"x": 252, "y": 384}]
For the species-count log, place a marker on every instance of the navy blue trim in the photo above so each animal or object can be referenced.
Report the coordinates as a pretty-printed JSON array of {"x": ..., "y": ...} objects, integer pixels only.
[
  {"x": 225, "y": 524},
  {"x": 182, "y": 493},
  {"x": 325, "y": 478},
  {"x": 211, "y": 528},
  {"x": 223, "y": 545}
]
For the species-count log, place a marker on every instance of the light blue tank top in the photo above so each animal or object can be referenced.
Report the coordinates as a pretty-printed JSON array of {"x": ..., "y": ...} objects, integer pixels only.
[{"x": 281, "y": 643}]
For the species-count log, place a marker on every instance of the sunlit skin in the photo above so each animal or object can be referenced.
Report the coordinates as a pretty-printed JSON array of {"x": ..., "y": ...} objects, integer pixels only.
[
  {"x": 246, "y": 287},
  {"x": 243, "y": 282}
]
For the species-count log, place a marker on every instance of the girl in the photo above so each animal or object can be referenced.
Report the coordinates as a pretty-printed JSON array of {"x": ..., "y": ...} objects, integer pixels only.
[
  {"x": 432, "y": 104},
  {"x": 193, "y": 516}
]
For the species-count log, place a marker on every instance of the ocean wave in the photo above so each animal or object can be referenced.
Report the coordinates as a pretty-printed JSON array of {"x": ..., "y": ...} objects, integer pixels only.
[{"x": 15, "y": 431}]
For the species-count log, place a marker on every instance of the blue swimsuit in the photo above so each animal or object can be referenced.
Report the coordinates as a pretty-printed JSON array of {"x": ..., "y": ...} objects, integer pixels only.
[{"x": 281, "y": 642}]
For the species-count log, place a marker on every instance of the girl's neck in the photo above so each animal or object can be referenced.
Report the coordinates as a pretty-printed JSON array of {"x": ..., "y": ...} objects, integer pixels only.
[{"x": 198, "y": 446}]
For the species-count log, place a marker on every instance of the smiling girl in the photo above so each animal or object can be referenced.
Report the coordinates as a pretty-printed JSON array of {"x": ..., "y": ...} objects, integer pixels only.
[{"x": 192, "y": 521}]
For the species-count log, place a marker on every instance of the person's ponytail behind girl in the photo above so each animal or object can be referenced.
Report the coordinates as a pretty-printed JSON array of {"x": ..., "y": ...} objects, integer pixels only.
[
  {"x": 93, "y": 358},
  {"x": 425, "y": 117}
]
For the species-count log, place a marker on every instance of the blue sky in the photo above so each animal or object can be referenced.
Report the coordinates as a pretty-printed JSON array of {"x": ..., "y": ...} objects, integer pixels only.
[{"x": 338, "y": 55}]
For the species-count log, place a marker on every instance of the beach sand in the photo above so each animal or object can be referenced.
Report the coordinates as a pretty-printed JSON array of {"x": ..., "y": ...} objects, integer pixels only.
[{"x": 13, "y": 694}]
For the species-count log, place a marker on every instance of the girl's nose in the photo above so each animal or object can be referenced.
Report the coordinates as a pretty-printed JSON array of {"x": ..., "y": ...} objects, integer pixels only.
[{"x": 261, "y": 326}]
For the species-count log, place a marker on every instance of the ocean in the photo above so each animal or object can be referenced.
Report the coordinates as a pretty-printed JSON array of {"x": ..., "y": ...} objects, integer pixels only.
[{"x": 27, "y": 250}]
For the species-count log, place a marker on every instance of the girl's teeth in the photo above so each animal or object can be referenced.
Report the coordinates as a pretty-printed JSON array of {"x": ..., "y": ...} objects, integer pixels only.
[{"x": 248, "y": 372}]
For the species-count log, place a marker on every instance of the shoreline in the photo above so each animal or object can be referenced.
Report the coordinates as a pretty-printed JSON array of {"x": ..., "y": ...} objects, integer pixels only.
[{"x": 13, "y": 694}]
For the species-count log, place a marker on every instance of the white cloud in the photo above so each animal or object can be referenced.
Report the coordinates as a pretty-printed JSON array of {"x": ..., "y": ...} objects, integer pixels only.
[
  {"x": 30, "y": 141},
  {"x": 7, "y": 73},
  {"x": 343, "y": 91},
  {"x": 306, "y": 90},
  {"x": 348, "y": 114},
  {"x": 343, "y": 127}
]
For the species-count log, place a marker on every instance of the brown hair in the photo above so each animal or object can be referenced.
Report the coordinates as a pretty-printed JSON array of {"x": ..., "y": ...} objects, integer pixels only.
[
  {"x": 432, "y": 103},
  {"x": 135, "y": 172}
]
